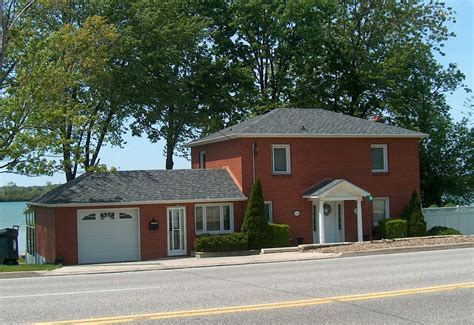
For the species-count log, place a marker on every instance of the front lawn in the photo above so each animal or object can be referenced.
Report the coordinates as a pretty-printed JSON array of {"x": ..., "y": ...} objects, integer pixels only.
[{"x": 22, "y": 267}]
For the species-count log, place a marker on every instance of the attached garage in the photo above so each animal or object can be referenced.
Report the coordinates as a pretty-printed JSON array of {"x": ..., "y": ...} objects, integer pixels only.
[
  {"x": 108, "y": 235},
  {"x": 129, "y": 215}
]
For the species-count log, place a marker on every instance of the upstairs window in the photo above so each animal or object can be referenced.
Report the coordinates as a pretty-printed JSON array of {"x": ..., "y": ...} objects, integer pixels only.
[
  {"x": 202, "y": 160},
  {"x": 281, "y": 159},
  {"x": 379, "y": 158}
]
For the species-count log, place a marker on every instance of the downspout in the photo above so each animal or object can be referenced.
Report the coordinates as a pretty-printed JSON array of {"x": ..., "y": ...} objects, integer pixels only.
[{"x": 254, "y": 150}]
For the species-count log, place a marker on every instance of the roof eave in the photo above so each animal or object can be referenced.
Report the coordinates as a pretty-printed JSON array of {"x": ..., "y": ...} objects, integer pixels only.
[
  {"x": 303, "y": 135},
  {"x": 94, "y": 204}
]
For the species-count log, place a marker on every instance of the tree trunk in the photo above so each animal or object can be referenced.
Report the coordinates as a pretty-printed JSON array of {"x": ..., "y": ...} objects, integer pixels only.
[{"x": 169, "y": 154}]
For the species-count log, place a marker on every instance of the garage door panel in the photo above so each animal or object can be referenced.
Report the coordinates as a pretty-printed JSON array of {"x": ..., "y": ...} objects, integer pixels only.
[{"x": 112, "y": 236}]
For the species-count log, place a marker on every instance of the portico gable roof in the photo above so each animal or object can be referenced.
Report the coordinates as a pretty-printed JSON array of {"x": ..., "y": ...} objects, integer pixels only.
[{"x": 335, "y": 189}]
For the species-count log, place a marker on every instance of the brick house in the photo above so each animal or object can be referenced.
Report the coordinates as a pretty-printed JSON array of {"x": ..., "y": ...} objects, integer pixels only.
[{"x": 330, "y": 176}]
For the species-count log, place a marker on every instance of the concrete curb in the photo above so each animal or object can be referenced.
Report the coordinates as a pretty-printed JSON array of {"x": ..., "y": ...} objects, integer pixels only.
[
  {"x": 182, "y": 267},
  {"x": 395, "y": 250},
  {"x": 21, "y": 274}
]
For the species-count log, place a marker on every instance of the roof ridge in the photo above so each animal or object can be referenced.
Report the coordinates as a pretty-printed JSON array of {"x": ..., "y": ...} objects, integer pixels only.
[{"x": 257, "y": 119}]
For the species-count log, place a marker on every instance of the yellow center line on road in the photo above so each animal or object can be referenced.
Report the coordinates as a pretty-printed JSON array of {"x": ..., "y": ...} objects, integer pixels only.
[{"x": 276, "y": 305}]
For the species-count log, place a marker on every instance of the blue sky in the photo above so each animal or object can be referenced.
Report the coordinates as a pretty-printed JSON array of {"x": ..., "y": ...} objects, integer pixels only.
[{"x": 140, "y": 153}]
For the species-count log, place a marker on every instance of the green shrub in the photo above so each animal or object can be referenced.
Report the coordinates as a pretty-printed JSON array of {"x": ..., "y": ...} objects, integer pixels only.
[
  {"x": 221, "y": 243},
  {"x": 416, "y": 225},
  {"x": 395, "y": 228},
  {"x": 255, "y": 223},
  {"x": 278, "y": 235},
  {"x": 442, "y": 231},
  {"x": 381, "y": 228}
]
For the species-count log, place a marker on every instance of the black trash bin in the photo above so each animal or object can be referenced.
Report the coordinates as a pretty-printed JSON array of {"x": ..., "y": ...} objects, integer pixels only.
[{"x": 9, "y": 246}]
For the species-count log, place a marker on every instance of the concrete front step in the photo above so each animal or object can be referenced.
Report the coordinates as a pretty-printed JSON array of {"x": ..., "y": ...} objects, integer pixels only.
[{"x": 279, "y": 250}]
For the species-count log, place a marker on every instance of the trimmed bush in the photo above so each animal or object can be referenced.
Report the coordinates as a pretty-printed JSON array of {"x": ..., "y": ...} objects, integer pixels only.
[
  {"x": 277, "y": 236},
  {"x": 381, "y": 228},
  {"x": 255, "y": 223},
  {"x": 442, "y": 231},
  {"x": 416, "y": 224},
  {"x": 221, "y": 243},
  {"x": 395, "y": 228}
]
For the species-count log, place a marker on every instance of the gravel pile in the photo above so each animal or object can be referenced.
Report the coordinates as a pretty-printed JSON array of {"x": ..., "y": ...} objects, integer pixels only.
[{"x": 396, "y": 243}]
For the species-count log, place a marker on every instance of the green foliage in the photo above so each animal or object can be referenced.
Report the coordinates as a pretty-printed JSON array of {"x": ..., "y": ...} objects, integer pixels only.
[
  {"x": 12, "y": 192},
  {"x": 395, "y": 228},
  {"x": 170, "y": 65},
  {"x": 381, "y": 228},
  {"x": 255, "y": 223},
  {"x": 416, "y": 224},
  {"x": 278, "y": 235},
  {"x": 442, "y": 231},
  {"x": 413, "y": 205},
  {"x": 221, "y": 243}
]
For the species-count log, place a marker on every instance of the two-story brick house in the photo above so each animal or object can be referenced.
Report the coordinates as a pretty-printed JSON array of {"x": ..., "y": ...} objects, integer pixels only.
[
  {"x": 330, "y": 176},
  {"x": 312, "y": 160}
]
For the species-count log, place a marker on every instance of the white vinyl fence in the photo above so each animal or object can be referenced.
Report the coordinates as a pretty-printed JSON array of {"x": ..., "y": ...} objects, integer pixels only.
[{"x": 459, "y": 218}]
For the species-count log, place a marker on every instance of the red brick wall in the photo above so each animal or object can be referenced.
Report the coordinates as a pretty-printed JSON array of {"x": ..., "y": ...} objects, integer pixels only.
[
  {"x": 222, "y": 154},
  {"x": 66, "y": 235},
  {"x": 153, "y": 243},
  {"x": 45, "y": 235},
  {"x": 313, "y": 160}
]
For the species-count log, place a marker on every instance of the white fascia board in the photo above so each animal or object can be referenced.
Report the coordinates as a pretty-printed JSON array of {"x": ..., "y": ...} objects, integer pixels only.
[
  {"x": 303, "y": 135},
  {"x": 99, "y": 204},
  {"x": 335, "y": 198}
]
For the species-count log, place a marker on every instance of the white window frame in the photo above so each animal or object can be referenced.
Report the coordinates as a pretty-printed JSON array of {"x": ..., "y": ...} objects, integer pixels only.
[
  {"x": 288, "y": 159},
  {"x": 386, "y": 206},
  {"x": 221, "y": 212},
  {"x": 385, "y": 157},
  {"x": 202, "y": 160},
  {"x": 270, "y": 203}
]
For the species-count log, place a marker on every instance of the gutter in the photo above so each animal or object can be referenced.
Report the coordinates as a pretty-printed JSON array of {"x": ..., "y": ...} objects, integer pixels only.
[
  {"x": 95, "y": 204},
  {"x": 304, "y": 135}
]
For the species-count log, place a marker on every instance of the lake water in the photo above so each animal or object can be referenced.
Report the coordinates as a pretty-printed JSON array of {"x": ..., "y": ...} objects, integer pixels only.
[{"x": 11, "y": 213}]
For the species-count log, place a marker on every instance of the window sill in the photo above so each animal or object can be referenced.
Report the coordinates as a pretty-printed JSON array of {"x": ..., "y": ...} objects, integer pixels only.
[
  {"x": 223, "y": 232},
  {"x": 281, "y": 174},
  {"x": 381, "y": 173}
]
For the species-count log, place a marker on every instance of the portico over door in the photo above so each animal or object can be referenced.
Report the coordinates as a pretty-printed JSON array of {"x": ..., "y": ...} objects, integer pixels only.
[{"x": 328, "y": 194}]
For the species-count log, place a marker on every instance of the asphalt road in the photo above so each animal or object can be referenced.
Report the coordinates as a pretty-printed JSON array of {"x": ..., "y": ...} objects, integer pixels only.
[{"x": 437, "y": 287}]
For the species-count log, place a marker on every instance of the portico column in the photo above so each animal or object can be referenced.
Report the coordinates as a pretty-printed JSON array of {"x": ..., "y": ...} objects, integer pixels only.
[
  {"x": 360, "y": 234},
  {"x": 322, "y": 236}
]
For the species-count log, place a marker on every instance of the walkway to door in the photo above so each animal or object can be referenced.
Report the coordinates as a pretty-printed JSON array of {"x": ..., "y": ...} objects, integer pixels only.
[{"x": 328, "y": 209}]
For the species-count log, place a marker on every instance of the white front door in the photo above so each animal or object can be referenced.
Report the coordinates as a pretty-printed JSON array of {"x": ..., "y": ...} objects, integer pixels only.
[
  {"x": 333, "y": 222},
  {"x": 176, "y": 231}
]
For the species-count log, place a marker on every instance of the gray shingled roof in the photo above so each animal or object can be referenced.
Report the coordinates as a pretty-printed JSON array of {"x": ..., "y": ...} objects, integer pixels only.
[
  {"x": 145, "y": 186},
  {"x": 308, "y": 122}
]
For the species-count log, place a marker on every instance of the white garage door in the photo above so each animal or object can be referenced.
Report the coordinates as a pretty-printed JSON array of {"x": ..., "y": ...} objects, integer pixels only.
[{"x": 108, "y": 235}]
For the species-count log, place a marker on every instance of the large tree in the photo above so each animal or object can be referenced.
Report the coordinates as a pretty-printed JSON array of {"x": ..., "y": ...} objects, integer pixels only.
[
  {"x": 170, "y": 60},
  {"x": 72, "y": 76},
  {"x": 22, "y": 145}
]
